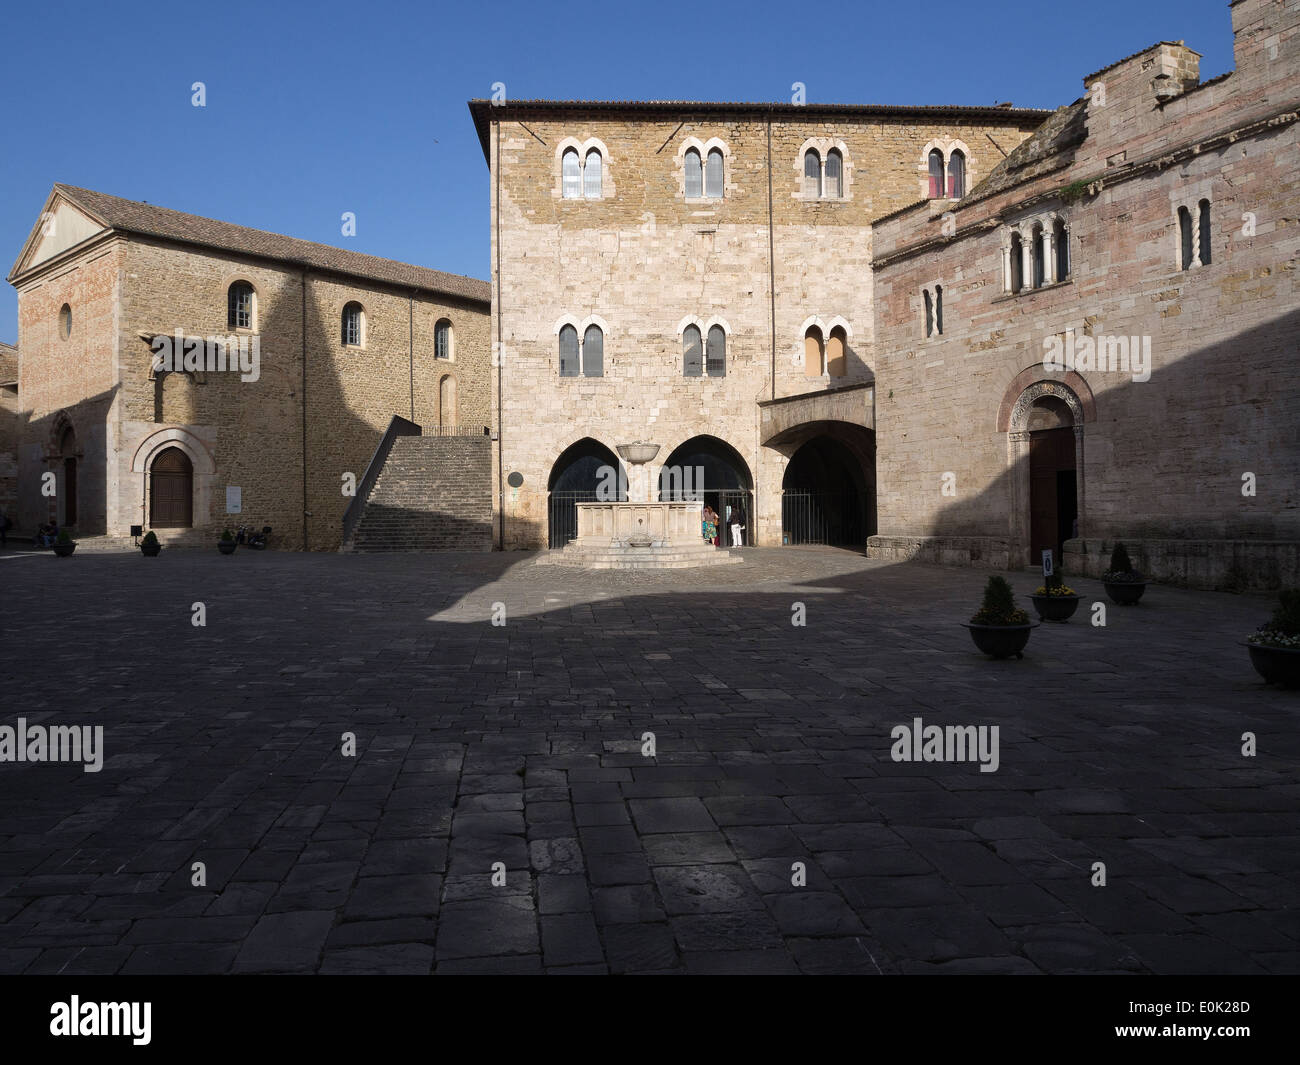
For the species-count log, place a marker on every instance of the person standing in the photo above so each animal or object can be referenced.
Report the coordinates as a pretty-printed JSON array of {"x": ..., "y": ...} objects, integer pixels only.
[{"x": 737, "y": 525}]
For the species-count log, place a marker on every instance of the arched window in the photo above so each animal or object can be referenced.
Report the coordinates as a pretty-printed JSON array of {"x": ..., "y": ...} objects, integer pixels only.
[
  {"x": 572, "y": 173},
  {"x": 1016, "y": 279},
  {"x": 442, "y": 340},
  {"x": 716, "y": 353},
  {"x": 814, "y": 353},
  {"x": 593, "y": 352},
  {"x": 591, "y": 175},
  {"x": 447, "y": 402},
  {"x": 713, "y": 175},
  {"x": 239, "y": 306},
  {"x": 836, "y": 346},
  {"x": 1185, "y": 237},
  {"x": 1038, "y": 257},
  {"x": 694, "y": 175},
  {"x": 929, "y": 313},
  {"x": 938, "y": 309},
  {"x": 1204, "y": 226},
  {"x": 1061, "y": 238},
  {"x": 956, "y": 175},
  {"x": 65, "y": 321},
  {"x": 936, "y": 174},
  {"x": 834, "y": 174},
  {"x": 569, "y": 352},
  {"x": 812, "y": 173},
  {"x": 692, "y": 353},
  {"x": 352, "y": 321}
]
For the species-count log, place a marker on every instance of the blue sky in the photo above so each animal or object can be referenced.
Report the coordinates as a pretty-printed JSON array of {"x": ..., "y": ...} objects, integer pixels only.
[{"x": 313, "y": 110}]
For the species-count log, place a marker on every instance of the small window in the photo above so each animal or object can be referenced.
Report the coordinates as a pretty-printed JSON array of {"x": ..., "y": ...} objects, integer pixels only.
[
  {"x": 836, "y": 348},
  {"x": 593, "y": 352},
  {"x": 1016, "y": 280},
  {"x": 572, "y": 172},
  {"x": 240, "y": 306},
  {"x": 568, "y": 352},
  {"x": 936, "y": 174},
  {"x": 591, "y": 175},
  {"x": 692, "y": 352},
  {"x": 1204, "y": 234},
  {"x": 938, "y": 309},
  {"x": 694, "y": 175},
  {"x": 442, "y": 340},
  {"x": 956, "y": 175},
  {"x": 812, "y": 173},
  {"x": 1062, "y": 242},
  {"x": 929, "y": 313},
  {"x": 814, "y": 353},
  {"x": 713, "y": 175},
  {"x": 65, "y": 321},
  {"x": 1185, "y": 237},
  {"x": 834, "y": 174},
  {"x": 717, "y": 352},
  {"x": 352, "y": 318}
]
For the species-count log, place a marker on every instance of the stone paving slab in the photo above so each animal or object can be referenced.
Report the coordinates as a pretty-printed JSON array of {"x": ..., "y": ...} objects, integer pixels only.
[{"x": 499, "y": 815}]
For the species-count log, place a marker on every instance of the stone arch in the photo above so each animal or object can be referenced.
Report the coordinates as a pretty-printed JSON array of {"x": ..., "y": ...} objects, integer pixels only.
[
  {"x": 151, "y": 445},
  {"x": 577, "y": 474},
  {"x": 447, "y": 412},
  {"x": 1081, "y": 398}
]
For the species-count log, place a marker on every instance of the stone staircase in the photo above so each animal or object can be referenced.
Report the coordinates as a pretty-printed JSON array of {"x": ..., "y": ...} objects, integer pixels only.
[{"x": 433, "y": 494}]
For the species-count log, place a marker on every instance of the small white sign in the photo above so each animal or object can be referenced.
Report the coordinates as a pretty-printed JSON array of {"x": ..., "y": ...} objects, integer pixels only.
[
  {"x": 234, "y": 499},
  {"x": 1047, "y": 563}
]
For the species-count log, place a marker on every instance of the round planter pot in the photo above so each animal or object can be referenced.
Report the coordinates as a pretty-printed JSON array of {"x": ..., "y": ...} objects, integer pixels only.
[
  {"x": 1001, "y": 641},
  {"x": 64, "y": 550},
  {"x": 1056, "y": 607},
  {"x": 150, "y": 550},
  {"x": 226, "y": 547},
  {"x": 1277, "y": 665},
  {"x": 1125, "y": 593}
]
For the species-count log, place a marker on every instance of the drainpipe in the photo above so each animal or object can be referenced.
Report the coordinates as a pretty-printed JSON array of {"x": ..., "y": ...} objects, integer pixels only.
[
  {"x": 501, "y": 434},
  {"x": 305, "y": 545},
  {"x": 410, "y": 345},
  {"x": 771, "y": 252}
]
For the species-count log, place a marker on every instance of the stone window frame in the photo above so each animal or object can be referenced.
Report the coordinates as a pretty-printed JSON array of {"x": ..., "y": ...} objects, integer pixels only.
[
  {"x": 451, "y": 339},
  {"x": 229, "y": 282},
  {"x": 1024, "y": 229},
  {"x": 946, "y": 145},
  {"x": 360, "y": 345},
  {"x": 581, "y": 326},
  {"x": 65, "y": 331},
  {"x": 1192, "y": 196},
  {"x": 704, "y": 325},
  {"x": 582, "y": 148},
  {"x": 703, "y": 147},
  {"x": 823, "y": 146}
]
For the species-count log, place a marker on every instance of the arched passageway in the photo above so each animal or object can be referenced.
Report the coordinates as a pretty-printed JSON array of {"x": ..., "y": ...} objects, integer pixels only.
[
  {"x": 710, "y": 470},
  {"x": 584, "y": 473}
]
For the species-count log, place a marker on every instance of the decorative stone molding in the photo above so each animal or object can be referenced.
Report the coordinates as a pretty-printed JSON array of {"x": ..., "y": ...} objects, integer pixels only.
[
  {"x": 198, "y": 453},
  {"x": 607, "y": 190},
  {"x": 703, "y": 147},
  {"x": 1069, "y": 382},
  {"x": 823, "y": 145}
]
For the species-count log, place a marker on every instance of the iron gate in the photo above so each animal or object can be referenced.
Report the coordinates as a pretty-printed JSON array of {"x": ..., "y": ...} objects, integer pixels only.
[
  {"x": 823, "y": 518},
  {"x": 562, "y": 516}
]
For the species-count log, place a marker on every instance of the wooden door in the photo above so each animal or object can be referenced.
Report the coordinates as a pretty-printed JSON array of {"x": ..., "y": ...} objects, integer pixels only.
[
  {"x": 1051, "y": 453},
  {"x": 171, "y": 497}
]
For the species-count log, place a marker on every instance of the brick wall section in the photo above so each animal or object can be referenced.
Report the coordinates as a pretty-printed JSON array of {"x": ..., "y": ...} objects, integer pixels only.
[{"x": 643, "y": 258}]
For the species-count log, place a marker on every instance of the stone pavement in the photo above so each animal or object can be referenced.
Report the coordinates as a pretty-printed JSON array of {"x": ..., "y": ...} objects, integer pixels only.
[{"x": 521, "y": 744}]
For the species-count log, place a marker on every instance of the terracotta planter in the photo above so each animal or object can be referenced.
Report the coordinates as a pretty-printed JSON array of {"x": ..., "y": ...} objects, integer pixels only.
[
  {"x": 1125, "y": 593},
  {"x": 1277, "y": 665},
  {"x": 226, "y": 547},
  {"x": 64, "y": 550},
  {"x": 1056, "y": 607},
  {"x": 1002, "y": 641}
]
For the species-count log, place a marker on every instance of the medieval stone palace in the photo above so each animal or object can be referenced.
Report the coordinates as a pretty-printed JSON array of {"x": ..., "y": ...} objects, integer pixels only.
[{"x": 964, "y": 334}]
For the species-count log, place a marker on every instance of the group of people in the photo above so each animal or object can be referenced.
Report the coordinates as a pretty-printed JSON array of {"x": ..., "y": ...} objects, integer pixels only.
[
  {"x": 735, "y": 521},
  {"x": 46, "y": 534}
]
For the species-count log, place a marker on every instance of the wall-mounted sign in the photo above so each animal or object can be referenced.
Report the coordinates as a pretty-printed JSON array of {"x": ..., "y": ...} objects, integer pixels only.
[{"x": 234, "y": 499}]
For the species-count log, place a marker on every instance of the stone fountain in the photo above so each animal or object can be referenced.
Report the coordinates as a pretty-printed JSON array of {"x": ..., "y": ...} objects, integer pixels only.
[{"x": 641, "y": 533}]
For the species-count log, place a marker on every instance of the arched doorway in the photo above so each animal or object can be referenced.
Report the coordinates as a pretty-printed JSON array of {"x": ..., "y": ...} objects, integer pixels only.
[
  {"x": 582, "y": 472},
  {"x": 1053, "y": 480},
  {"x": 711, "y": 470},
  {"x": 447, "y": 403},
  {"x": 171, "y": 490},
  {"x": 824, "y": 496},
  {"x": 68, "y": 490}
]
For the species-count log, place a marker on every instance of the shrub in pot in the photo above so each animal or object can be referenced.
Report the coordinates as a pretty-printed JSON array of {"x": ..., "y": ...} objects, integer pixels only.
[
  {"x": 149, "y": 546},
  {"x": 999, "y": 628},
  {"x": 1124, "y": 584},
  {"x": 1275, "y": 646},
  {"x": 226, "y": 545},
  {"x": 64, "y": 545},
  {"x": 1054, "y": 601}
]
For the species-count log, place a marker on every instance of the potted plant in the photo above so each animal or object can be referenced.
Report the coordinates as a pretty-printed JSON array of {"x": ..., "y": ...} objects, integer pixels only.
[
  {"x": 64, "y": 545},
  {"x": 149, "y": 546},
  {"x": 1124, "y": 584},
  {"x": 1054, "y": 601},
  {"x": 999, "y": 628},
  {"x": 226, "y": 545},
  {"x": 1275, "y": 647}
]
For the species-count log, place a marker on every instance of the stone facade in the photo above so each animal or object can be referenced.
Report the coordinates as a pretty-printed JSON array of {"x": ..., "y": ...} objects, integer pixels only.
[
  {"x": 1196, "y": 467},
  {"x": 765, "y": 261},
  {"x": 286, "y": 439},
  {"x": 9, "y": 422}
]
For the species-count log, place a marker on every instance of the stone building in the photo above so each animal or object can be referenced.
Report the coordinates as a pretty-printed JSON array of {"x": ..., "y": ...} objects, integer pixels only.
[
  {"x": 9, "y": 422},
  {"x": 1099, "y": 341},
  {"x": 304, "y": 355},
  {"x": 698, "y": 276}
]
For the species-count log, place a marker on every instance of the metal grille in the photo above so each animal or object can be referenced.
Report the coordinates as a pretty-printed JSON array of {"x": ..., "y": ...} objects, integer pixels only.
[
  {"x": 563, "y": 515},
  {"x": 822, "y": 518}
]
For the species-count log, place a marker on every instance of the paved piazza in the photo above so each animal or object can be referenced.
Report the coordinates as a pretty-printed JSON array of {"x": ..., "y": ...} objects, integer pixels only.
[{"x": 521, "y": 744}]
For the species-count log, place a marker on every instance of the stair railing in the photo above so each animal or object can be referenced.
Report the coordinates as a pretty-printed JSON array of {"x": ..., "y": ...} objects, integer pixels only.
[{"x": 352, "y": 516}]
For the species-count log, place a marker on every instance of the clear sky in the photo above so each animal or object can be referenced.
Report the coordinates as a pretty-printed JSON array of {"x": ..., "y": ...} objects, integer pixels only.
[{"x": 316, "y": 109}]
